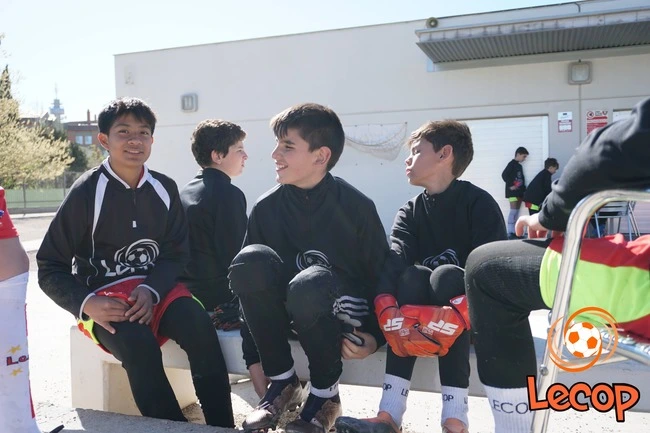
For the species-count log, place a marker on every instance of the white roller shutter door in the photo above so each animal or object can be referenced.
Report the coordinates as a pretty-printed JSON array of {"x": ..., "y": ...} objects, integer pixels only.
[{"x": 495, "y": 142}]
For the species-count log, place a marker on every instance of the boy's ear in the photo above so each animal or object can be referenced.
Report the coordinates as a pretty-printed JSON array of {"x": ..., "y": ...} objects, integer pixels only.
[
  {"x": 447, "y": 151},
  {"x": 103, "y": 140},
  {"x": 216, "y": 157},
  {"x": 324, "y": 154}
]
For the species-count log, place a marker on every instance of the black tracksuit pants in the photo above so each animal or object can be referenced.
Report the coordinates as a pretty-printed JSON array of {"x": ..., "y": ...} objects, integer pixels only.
[
  {"x": 502, "y": 289},
  {"x": 136, "y": 347},
  {"x": 275, "y": 300},
  {"x": 419, "y": 285}
]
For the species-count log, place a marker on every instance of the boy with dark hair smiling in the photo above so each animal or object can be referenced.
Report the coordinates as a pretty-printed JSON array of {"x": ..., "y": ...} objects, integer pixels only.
[
  {"x": 421, "y": 305},
  {"x": 111, "y": 257},
  {"x": 312, "y": 255}
]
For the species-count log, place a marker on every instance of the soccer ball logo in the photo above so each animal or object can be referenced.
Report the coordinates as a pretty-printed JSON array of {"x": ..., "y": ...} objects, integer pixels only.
[
  {"x": 311, "y": 258},
  {"x": 583, "y": 340},
  {"x": 139, "y": 255}
]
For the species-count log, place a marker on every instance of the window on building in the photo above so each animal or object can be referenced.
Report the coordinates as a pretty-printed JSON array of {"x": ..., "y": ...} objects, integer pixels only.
[
  {"x": 79, "y": 139},
  {"x": 89, "y": 139}
]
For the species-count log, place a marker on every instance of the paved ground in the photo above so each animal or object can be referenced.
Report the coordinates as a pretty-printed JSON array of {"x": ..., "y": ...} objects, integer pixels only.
[{"x": 50, "y": 360}]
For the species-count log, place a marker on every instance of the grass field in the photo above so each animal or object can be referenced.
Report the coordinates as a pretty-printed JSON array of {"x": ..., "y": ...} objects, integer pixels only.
[{"x": 34, "y": 198}]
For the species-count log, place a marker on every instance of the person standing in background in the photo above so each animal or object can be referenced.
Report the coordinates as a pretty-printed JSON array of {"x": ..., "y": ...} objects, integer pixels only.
[
  {"x": 513, "y": 176},
  {"x": 538, "y": 189}
]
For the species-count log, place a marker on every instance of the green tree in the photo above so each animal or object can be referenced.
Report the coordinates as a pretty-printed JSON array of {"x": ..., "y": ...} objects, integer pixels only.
[
  {"x": 27, "y": 154},
  {"x": 5, "y": 84},
  {"x": 80, "y": 160}
]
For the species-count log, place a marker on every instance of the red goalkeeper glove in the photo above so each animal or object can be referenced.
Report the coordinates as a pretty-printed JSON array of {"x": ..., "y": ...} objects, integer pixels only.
[
  {"x": 393, "y": 325},
  {"x": 437, "y": 328}
]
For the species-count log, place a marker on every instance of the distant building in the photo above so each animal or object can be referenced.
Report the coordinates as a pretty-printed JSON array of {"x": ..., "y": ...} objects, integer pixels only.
[{"x": 83, "y": 133}]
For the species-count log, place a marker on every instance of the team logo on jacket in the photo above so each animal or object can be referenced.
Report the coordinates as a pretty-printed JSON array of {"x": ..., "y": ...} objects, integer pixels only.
[
  {"x": 447, "y": 257},
  {"x": 311, "y": 258},
  {"x": 140, "y": 255}
]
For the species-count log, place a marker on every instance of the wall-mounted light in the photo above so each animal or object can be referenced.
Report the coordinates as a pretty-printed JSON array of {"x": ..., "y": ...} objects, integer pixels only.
[{"x": 580, "y": 72}]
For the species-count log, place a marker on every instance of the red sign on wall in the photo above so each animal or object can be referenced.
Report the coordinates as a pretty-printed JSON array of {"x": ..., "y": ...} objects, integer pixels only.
[{"x": 596, "y": 119}]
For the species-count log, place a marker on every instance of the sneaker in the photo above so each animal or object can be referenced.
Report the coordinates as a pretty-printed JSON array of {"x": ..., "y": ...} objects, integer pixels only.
[
  {"x": 453, "y": 425},
  {"x": 317, "y": 416},
  {"x": 282, "y": 396},
  {"x": 382, "y": 423}
]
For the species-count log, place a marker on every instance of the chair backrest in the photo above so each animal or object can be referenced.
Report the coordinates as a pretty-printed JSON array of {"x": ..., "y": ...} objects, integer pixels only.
[
  {"x": 578, "y": 220},
  {"x": 614, "y": 209}
]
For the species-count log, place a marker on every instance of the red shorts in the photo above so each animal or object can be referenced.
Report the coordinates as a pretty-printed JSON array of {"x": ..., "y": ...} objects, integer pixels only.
[{"x": 123, "y": 289}]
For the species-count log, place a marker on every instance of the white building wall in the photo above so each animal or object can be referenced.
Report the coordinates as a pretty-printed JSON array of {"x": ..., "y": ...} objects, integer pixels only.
[{"x": 368, "y": 75}]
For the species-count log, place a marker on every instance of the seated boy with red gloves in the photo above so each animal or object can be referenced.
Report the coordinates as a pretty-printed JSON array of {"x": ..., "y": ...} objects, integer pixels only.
[{"x": 421, "y": 307}]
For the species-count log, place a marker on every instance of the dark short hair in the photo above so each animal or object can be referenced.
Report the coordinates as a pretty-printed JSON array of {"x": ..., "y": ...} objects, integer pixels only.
[
  {"x": 214, "y": 134},
  {"x": 121, "y": 107},
  {"x": 448, "y": 132},
  {"x": 521, "y": 151},
  {"x": 551, "y": 162},
  {"x": 316, "y": 124}
]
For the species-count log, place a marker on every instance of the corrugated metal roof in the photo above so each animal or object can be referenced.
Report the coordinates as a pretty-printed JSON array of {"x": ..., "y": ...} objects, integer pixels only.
[{"x": 555, "y": 35}]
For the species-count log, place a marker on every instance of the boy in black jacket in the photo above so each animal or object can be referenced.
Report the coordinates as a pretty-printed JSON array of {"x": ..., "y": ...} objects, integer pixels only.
[
  {"x": 312, "y": 255},
  {"x": 513, "y": 176},
  {"x": 540, "y": 186},
  {"x": 216, "y": 210},
  {"x": 216, "y": 216},
  {"x": 111, "y": 257},
  {"x": 432, "y": 236},
  {"x": 538, "y": 189},
  {"x": 504, "y": 279}
]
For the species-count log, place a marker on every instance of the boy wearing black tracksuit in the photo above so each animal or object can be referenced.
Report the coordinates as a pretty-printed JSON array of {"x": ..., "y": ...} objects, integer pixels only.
[
  {"x": 513, "y": 176},
  {"x": 420, "y": 306},
  {"x": 111, "y": 257},
  {"x": 508, "y": 280},
  {"x": 540, "y": 186},
  {"x": 313, "y": 251},
  {"x": 216, "y": 217}
]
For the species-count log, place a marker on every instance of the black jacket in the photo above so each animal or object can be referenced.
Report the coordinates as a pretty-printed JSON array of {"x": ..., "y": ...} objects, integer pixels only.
[
  {"x": 538, "y": 188},
  {"x": 216, "y": 216},
  {"x": 332, "y": 223},
  {"x": 615, "y": 156},
  {"x": 513, "y": 175},
  {"x": 451, "y": 223},
  {"x": 105, "y": 231}
]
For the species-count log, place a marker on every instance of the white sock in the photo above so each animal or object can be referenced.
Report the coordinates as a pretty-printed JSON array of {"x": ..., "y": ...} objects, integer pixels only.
[
  {"x": 16, "y": 408},
  {"x": 393, "y": 397},
  {"x": 284, "y": 376},
  {"x": 454, "y": 404},
  {"x": 327, "y": 392},
  {"x": 510, "y": 409}
]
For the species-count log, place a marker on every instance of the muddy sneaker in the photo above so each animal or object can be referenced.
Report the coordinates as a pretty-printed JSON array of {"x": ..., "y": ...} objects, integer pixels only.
[
  {"x": 317, "y": 416},
  {"x": 382, "y": 423},
  {"x": 282, "y": 396}
]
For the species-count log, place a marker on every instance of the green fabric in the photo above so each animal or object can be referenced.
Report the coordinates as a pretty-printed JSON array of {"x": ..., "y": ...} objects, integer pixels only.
[
  {"x": 623, "y": 291},
  {"x": 513, "y": 199}
]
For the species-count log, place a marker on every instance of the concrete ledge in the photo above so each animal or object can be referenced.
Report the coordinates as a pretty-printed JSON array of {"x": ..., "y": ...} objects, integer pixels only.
[{"x": 99, "y": 382}]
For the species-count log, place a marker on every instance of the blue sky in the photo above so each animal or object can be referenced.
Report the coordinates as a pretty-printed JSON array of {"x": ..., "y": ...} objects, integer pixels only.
[{"x": 71, "y": 43}]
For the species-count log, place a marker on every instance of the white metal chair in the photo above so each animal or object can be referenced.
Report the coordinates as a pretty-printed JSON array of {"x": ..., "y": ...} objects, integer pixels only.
[
  {"x": 578, "y": 220},
  {"x": 617, "y": 210}
]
